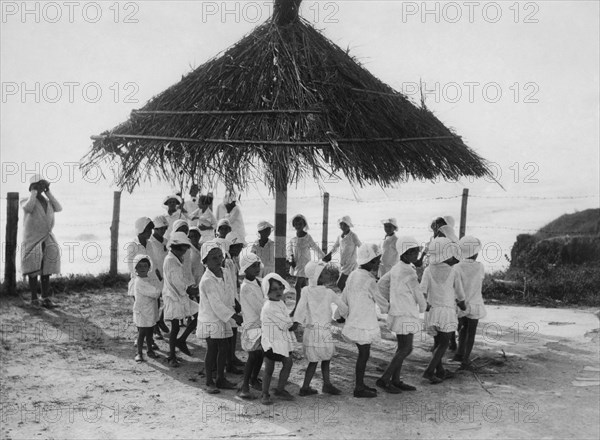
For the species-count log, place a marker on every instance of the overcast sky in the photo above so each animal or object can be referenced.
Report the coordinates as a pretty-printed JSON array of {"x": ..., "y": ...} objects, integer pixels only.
[{"x": 519, "y": 81}]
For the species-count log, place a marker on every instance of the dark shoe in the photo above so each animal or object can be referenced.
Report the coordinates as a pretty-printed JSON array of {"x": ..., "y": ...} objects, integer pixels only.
[
  {"x": 265, "y": 399},
  {"x": 283, "y": 394},
  {"x": 154, "y": 346},
  {"x": 330, "y": 389},
  {"x": 445, "y": 374},
  {"x": 307, "y": 392},
  {"x": 364, "y": 393},
  {"x": 224, "y": 384},
  {"x": 387, "y": 387},
  {"x": 36, "y": 303},
  {"x": 371, "y": 389},
  {"x": 182, "y": 346},
  {"x": 404, "y": 386},
  {"x": 152, "y": 354},
  {"x": 457, "y": 358},
  {"x": 163, "y": 327},
  {"x": 173, "y": 363},
  {"x": 48, "y": 304},
  {"x": 139, "y": 358},
  {"x": 432, "y": 378}
]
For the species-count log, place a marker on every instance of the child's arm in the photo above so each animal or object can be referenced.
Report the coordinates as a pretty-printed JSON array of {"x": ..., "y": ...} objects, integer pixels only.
[
  {"x": 413, "y": 285},
  {"x": 314, "y": 247},
  {"x": 223, "y": 311},
  {"x": 342, "y": 307},
  {"x": 289, "y": 251},
  {"x": 384, "y": 285},
  {"x": 55, "y": 205},
  {"x": 459, "y": 290},
  {"x": 383, "y": 303},
  {"x": 29, "y": 204},
  {"x": 357, "y": 241},
  {"x": 342, "y": 312},
  {"x": 425, "y": 286},
  {"x": 336, "y": 245},
  {"x": 301, "y": 313}
]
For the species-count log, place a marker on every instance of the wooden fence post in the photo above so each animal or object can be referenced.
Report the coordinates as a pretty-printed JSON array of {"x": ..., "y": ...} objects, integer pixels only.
[
  {"x": 114, "y": 234},
  {"x": 463, "y": 213},
  {"x": 12, "y": 224},
  {"x": 325, "y": 221}
]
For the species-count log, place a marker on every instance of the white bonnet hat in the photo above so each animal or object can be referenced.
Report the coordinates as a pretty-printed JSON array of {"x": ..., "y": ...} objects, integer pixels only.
[
  {"x": 366, "y": 252},
  {"x": 469, "y": 246},
  {"x": 405, "y": 243}
]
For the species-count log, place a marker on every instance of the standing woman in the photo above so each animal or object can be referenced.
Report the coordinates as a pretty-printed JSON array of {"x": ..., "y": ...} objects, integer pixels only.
[
  {"x": 231, "y": 211},
  {"x": 40, "y": 254}
]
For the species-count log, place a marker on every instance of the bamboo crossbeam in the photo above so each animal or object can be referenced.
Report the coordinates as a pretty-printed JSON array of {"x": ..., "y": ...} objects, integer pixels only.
[
  {"x": 222, "y": 112},
  {"x": 265, "y": 142}
]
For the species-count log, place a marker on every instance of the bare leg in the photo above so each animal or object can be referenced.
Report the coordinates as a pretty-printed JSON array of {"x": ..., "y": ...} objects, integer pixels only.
[
  {"x": 173, "y": 337},
  {"x": 300, "y": 283},
  {"x": 33, "y": 286},
  {"x": 435, "y": 365},
  {"x": 269, "y": 367},
  {"x": 364, "y": 352},
  {"x": 392, "y": 372},
  {"x": 341, "y": 283},
  {"x": 310, "y": 372},
  {"x": 210, "y": 360},
  {"x": 45, "y": 286},
  {"x": 470, "y": 338},
  {"x": 325, "y": 372},
  {"x": 285, "y": 373}
]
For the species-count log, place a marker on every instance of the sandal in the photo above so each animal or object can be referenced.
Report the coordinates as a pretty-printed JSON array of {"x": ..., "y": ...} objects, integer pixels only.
[{"x": 246, "y": 395}]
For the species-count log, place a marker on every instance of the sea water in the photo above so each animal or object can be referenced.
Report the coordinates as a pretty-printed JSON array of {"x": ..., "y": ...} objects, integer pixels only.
[{"x": 495, "y": 214}]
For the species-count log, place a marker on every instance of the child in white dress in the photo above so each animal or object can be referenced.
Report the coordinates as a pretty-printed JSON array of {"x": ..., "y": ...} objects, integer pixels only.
[
  {"x": 277, "y": 337},
  {"x": 214, "y": 316},
  {"x": 298, "y": 254},
  {"x": 252, "y": 300},
  {"x": 145, "y": 307},
  {"x": 361, "y": 295},
  {"x": 314, "y": 313},
  {"x": 444, "y": 291},
  {"x": 389, "y": 254},
  {"x": 264, "y": 247},
  {"x": 347, "y": 243},
  {"x": 471, "y": 273},
  {"x": 401, "y": 286}
]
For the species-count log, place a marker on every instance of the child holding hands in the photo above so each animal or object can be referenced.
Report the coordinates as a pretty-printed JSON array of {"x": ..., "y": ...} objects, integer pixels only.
[
  {"x": 145, "y": 307},
  {"x": 347, "y": 243},
  {"x": 471, "y": 273},
  {"x": 314, "y": 313},
  {"x": 401, "y": 286},
  {"x": 277, "y": 336},
  {"x": 444, "y": 290},
  {"x": 298, "y": 254},
  {"x": 360, "y": 295}
]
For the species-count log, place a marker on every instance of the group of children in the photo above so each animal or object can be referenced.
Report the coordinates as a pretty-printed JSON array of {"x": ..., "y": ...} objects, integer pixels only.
[{"x": 198, "y": 276}]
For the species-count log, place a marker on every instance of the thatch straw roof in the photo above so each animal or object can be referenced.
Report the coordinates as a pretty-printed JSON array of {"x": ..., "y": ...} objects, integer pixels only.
[{"x": 282, "y": 104}]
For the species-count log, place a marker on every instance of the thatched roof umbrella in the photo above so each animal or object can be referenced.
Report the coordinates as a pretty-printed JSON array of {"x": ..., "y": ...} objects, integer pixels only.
[{"x": 282, "y": 104}]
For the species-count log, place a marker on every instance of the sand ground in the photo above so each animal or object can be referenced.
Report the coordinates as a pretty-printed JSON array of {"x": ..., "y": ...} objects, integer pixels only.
[{"x": 70, "y": 373}]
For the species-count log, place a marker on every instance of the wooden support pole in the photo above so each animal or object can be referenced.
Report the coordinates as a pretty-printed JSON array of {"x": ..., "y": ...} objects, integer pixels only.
[
  {"x": 324, "y": 243},
  {"x": 280, "y": 230},
  {"x": 114, "y": 234},
  {"x": 12, "y": 224},
  {"x": 463, "y": 213}
]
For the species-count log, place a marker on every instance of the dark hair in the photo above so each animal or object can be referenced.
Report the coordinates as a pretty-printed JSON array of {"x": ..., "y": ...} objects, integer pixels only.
[
  {"x": 274, "y": 280},
  {"x": 147, "y": 260}
]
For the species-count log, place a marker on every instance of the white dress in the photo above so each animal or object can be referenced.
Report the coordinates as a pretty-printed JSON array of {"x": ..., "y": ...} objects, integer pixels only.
[
  {"x": 135, "y": 248},
  {"x": 266, "y": 254},
  {"x": 275, "y": 328},
  {"x": 360, "y": 296},
  {"x": 40, "y": 252},
  {"x": 178, "y": 304},
  {"x": 401, "y": 286},
  {"x": 252, "y": 301},
  {"x": 236, "y": 220},
  {"x": 347, "y": 246},
  {"x": 145, "y": 307},
  {"x": 443, "y": 287},
  {"x": 314, "y": 313},
  {"x": 471, "y": 274},
  {"x": 389, "y": 254},
  {"x": 214, "y": 312},
  {"x": 299, "y": 248}
]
